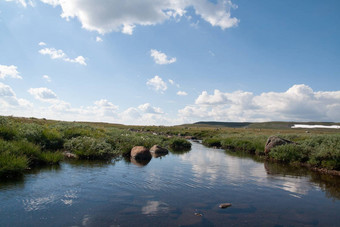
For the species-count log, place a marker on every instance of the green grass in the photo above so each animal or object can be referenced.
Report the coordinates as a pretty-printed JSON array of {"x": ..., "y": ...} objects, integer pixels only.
[
  {"x": 179, "y": 144},
  {"x": 12, "y": 165},
  {"x": 28, "y": 142}
]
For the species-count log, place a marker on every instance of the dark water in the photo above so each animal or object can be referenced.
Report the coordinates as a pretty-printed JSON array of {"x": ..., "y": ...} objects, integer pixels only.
[{"x": 168, "y": 191}]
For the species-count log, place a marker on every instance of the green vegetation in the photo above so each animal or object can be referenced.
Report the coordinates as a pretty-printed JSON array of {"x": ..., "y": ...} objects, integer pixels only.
[
  {"x": 179, "y": 144},
  {"x": 318, "y": 151},
  {"x": 29, "y": 142}
]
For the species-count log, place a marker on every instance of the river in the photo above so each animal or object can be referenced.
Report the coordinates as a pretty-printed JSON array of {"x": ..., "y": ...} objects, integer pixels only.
[{"x": 174, "y": 190}]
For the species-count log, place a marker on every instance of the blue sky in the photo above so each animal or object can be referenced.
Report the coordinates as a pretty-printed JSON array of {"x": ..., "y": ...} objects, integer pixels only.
[{"x": 170, "y": 62}]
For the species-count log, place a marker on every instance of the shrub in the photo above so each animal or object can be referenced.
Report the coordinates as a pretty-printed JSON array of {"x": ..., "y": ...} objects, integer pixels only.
[
  {"x": 11, "y": 165},
  {"x": 246, "y": 144},
  {"x": 31, "y": 132},
  {"x": 51, "y": 140},
  {"x": 212, "y": 142},
  {"x": 51, "y": 157},
  {"x": 89, "y": 148},
  {"x": 288, "y": 153},
  {"x": 8, "y": 132},
  {"x": 179, "y": 144}
]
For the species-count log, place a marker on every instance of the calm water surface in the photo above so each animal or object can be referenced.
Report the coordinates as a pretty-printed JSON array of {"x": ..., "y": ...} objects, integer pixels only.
[{"x": 169, "y": 190}]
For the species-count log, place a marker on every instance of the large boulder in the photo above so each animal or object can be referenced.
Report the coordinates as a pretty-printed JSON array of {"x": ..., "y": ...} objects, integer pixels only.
[
  {"x": 140, "y": 152},
  {"x": 275, "y": 141},
  {"x": 158, "y": 150}
]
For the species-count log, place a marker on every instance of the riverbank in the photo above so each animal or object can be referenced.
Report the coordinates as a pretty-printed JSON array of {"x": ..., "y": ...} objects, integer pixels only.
[
  {"x": 27, "y": 143},
  {"x": 318, "y": 152},
  {"x": 30, "y": 142}
]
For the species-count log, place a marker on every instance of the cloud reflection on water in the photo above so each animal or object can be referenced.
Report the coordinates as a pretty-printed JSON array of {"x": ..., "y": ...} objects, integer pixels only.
[{"x": 213, "y": 166}]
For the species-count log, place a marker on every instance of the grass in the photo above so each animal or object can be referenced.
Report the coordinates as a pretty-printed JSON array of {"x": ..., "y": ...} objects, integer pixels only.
[{"x": 29, "y": 142}]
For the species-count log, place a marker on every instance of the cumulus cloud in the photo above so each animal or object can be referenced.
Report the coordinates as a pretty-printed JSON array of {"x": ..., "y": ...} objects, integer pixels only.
[
  {"x": 157, "y": 84},
  {"x": 42, "y": 44},
  {"x": 161, "y": 58},
  {"x": 146, "y": 114},
  {"x": 43, "y": 94},
  {"x": 47, "y": 78},
  {"x": 298, "y": 103},
  {"x": 59, "y": 54},
  {"x": 147, "y": 108},
  {"x": 100, "y": 111},
  {"x": 98, "y": 39},
  {"x": 9, "y": 71},
  {"x": 106, "y": 16},
  {"x": 182, "y": 93},
  {"x": 9, "y": 100}
]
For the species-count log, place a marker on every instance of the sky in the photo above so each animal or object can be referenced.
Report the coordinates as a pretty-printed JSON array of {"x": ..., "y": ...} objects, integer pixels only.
[{"x": 169, "y": 62}]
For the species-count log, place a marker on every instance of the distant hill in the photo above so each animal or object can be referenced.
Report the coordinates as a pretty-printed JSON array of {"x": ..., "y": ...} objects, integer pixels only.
[
  {"x": 264, "y": 125},
  {"x": 224, "y": 124}
]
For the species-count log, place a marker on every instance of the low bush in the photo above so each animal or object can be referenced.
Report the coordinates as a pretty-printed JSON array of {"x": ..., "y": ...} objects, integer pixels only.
[
  {"x": 89, "y": 148},
  {"x": 289, "y": 153},
  {"x": 212, "y": 142},
  {"x": 179, "y": 144},
  {"x": 12, "y": 165},
  {"x": 245, "y": 144}
]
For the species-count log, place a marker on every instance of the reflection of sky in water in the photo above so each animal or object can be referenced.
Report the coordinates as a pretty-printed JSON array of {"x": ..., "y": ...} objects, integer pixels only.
[
  {"x": 38, "y": 202},
  {"x": 213, "y": 166},
  {"x": 168, "y": 190},
  {"x": 154, "y": 207}
]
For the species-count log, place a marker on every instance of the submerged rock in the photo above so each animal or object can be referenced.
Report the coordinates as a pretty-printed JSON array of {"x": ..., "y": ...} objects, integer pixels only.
[
  {"x": 224, "y": 205},
  {"x": 140, "y": 152},
  {"x": 198, "y": 214},
  {"x": 275, "y": 141}
]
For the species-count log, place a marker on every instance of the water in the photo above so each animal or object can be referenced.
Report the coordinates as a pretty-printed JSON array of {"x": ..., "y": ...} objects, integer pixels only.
[{"x": 174, "y": 190}]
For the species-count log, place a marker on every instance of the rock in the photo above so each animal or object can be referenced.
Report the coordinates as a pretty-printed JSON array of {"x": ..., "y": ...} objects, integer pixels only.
[
  {"x": 154, "y": 155},
  {"x": 224, "y": 205},
  {"x": 140, "y": 152},
  {"x": 198, "y": 214},
  {"x": 140, "y": 162},
  {"x": 70, "y": 155},
  {"x": 274, "y": 141},
  {"x": 158, "y": 150}
]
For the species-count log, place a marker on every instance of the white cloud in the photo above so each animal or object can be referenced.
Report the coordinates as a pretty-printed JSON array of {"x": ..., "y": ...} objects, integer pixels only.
[
  {"x": 9, "y": 102},
  {"x": 217, "y": 98},
  {"x": 216, "y": 14},
  {"x": 100, "y": 111},
  {"x": 161, "y": 58},
  {"x": 59, "y": 54},
  {"x": 298, "y": 103},
  {"x": 106, "y": 16},
  {"x": 9, "y": 71},
  {"x": 128, "y": 29},
  {"x": 43, "y": 94},
  {"x": 99, "y": 39},
  {"x": 182, "y": 93},
  {"x": 146, "y": 114},
  {"x": 147, "y": 108},
  {"x": 47, "y": 78},
  {"x": 173, "y": 83},
  {"x": 42, "y": 44},
  {"x": 157, "y": 84},
  {"x": 22, "y": 2}
]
